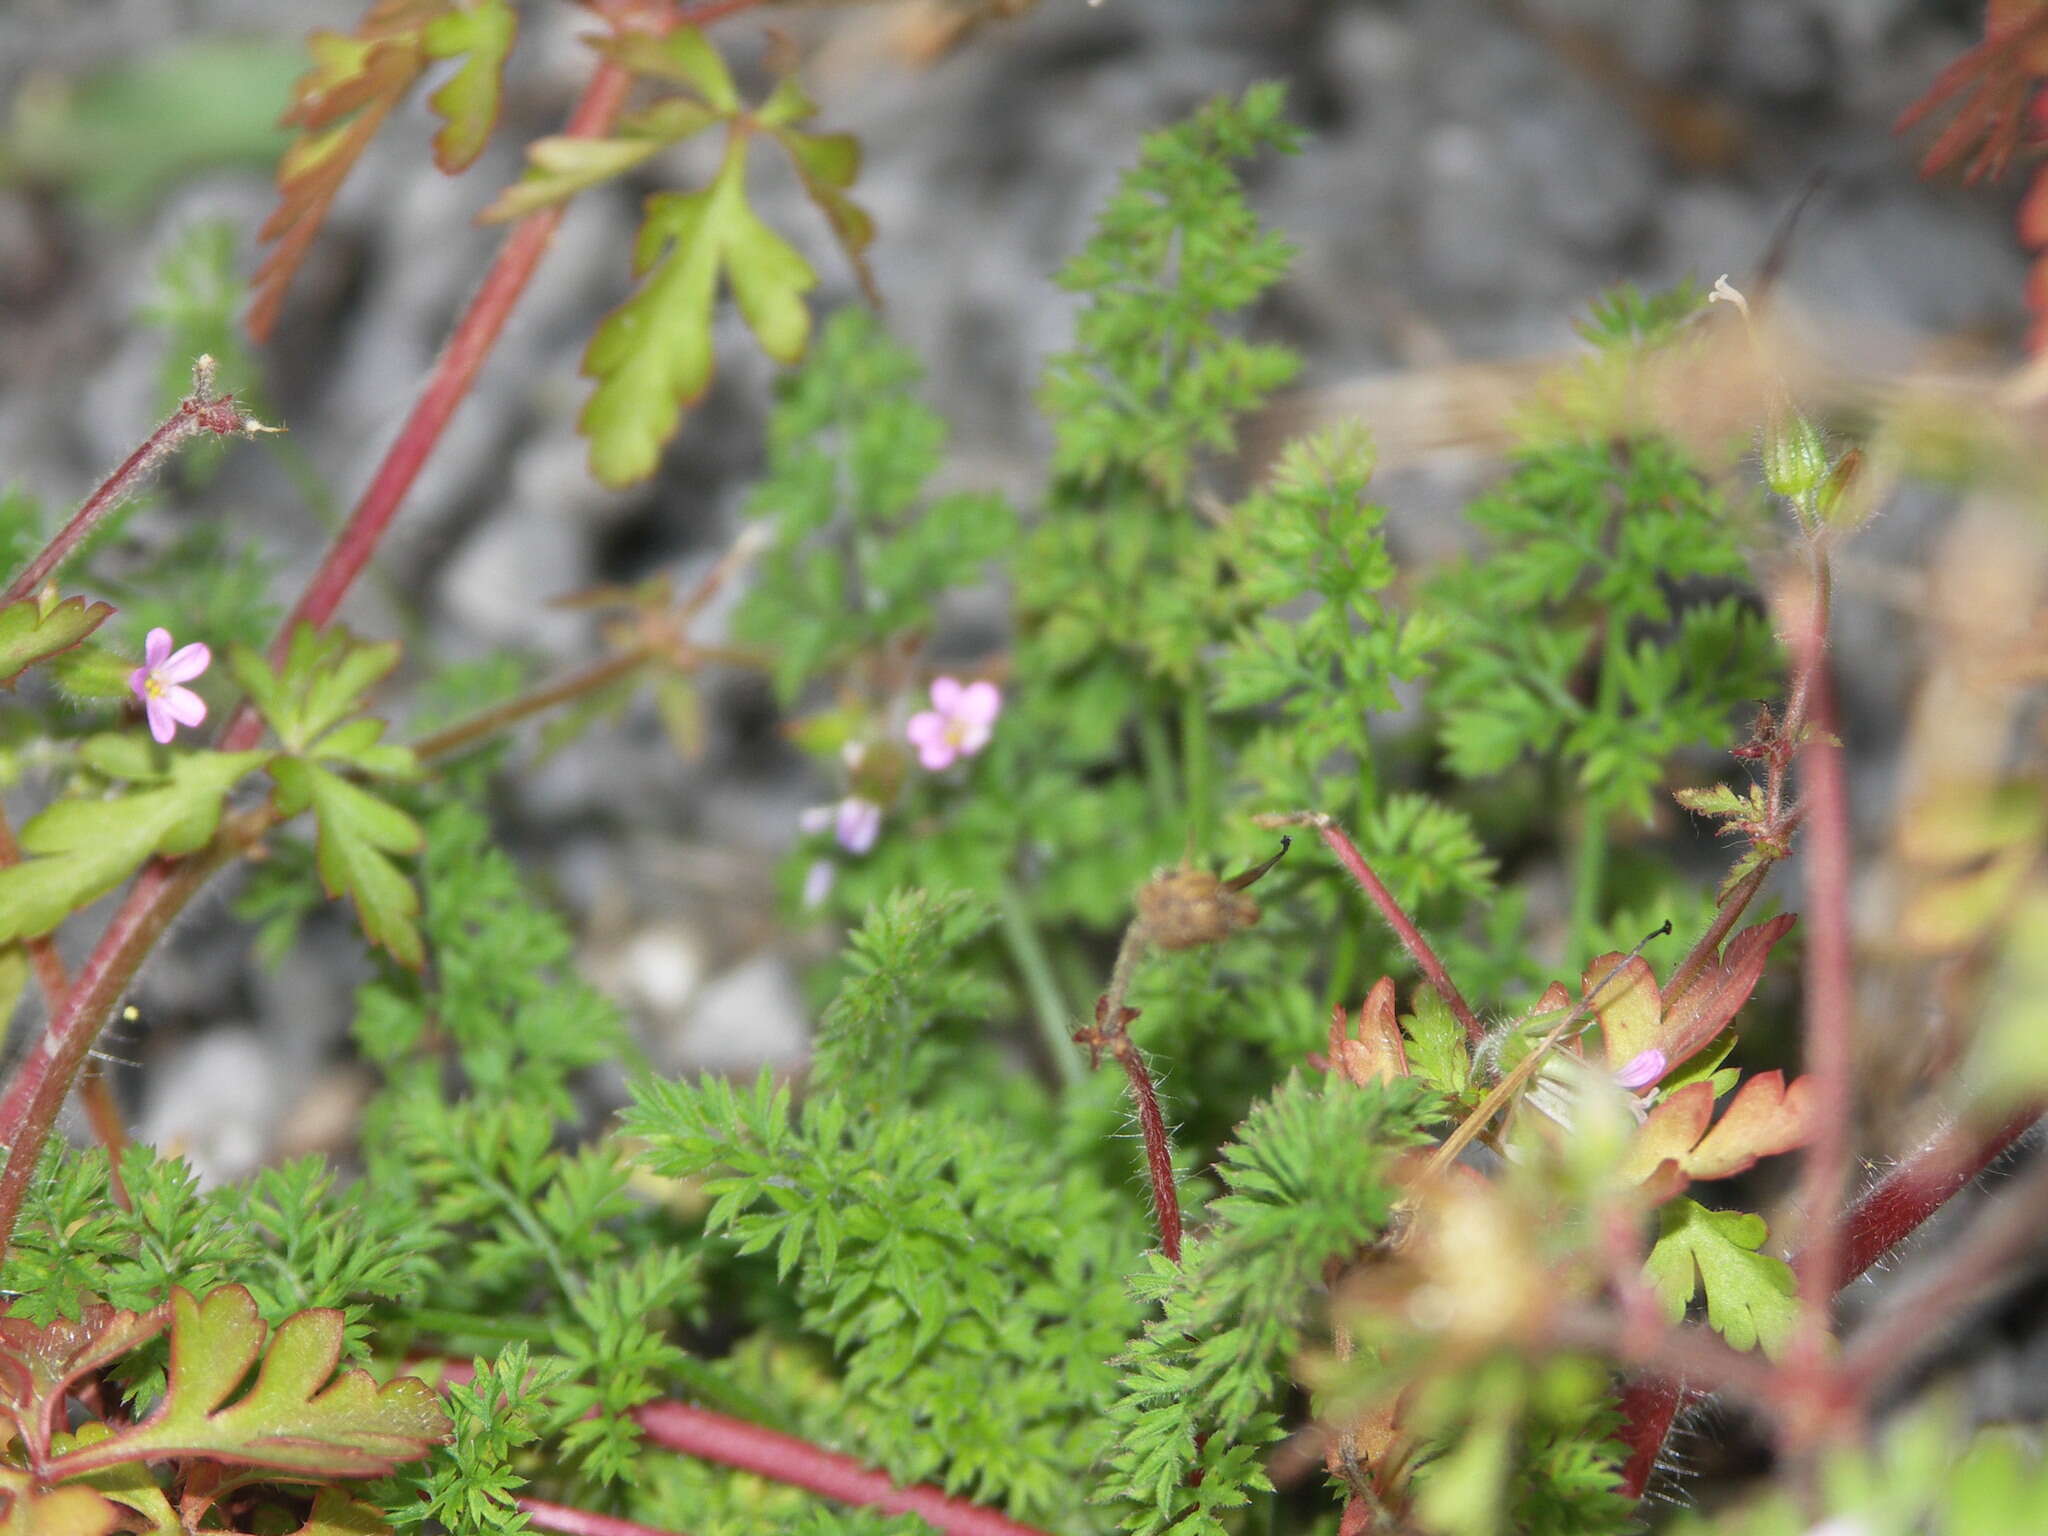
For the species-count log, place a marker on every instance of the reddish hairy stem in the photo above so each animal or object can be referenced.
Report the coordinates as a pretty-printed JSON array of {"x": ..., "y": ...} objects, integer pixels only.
[
  {"x": 199, "y": 412},
  {"x": 1883, "y": 1216},
  {"x": 100, "y": 1108},
  {"x": 2005, "y": 1230},
  {"x": 40, "y": 1084},
  {"x": 582, "y": 1522},
  {"x": 474, "y": 337},
  {"x": 1830, "y": 1023},
  {"x": 735, "y": 1443},
  {"x": 1410, "y": 936},
  {"x": 30, "y": 1107},
  {"x": 1158, "y": 1152},
  {"x": 1725, "y": 919}
]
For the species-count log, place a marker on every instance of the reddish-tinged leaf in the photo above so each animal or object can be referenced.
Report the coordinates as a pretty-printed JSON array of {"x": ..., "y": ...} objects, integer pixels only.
[
  {"x": 1674, "y": 1144},
  {"x": 1710, "y": 1000},
  {"x": 684, "y": 58},
  {"x": 39, "y": 1365},
  {"x": 1765, "y": 1117},
  {"x": 340, "y": 103},
  {"x": 1670, "y": 1133},
  {"x": 828, "y": 164},
  {"x": 25, "y": 1511},
  {"x": 1376, "y": 1053},
  {"x": 560, "y": 166},
  {"x": 358, "y": 85},
  {"x": 1999, "y": 74},
  {"x": 1627, "y": 1006},
  {"x": 299, "y": 1417}
]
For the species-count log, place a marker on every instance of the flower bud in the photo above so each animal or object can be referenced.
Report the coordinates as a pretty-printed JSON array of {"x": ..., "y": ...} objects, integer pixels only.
[{"x": 1795, "y": 458}]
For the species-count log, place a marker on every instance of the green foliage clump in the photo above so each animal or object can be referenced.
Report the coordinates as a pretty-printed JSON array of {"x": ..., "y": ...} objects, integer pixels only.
[
  {"x": 861, "y": 556},
  {"x": 1576, "y": 638},
  {"x": 970, "y": 1286},
  {"x": 1308, "y": 1182}
]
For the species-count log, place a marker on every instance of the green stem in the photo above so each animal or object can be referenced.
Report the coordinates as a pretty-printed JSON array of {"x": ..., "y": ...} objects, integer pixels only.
[
  {"x": 1048, "y": 1006},
  {"x": 1194, "y": 753},
  {"x": 1589, "y": 875},
  {"x": 1156, "y": 752},
  {"x": 487, "y": 723},
  {"x": 472, "y": 1325}
]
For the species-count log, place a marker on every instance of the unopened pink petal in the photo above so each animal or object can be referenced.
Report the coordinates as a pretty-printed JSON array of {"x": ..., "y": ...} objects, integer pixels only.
[
  {"x": 1642, "y": 1069},
  {"x": 186, "y": 707},
  {"x": 161, "y": 725},
  {"x": 946, "y": 694},
  {"x": 979, "y": 704},
  {"x": 185, "y": 664},
  {"x": 155, "y": 647}
]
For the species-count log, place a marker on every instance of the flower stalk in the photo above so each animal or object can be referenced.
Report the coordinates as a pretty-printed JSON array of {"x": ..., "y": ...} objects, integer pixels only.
[{"x": 201, "y": 413}]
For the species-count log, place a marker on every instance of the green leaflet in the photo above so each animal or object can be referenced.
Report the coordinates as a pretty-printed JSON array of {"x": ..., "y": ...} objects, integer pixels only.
[
  {"x": 480, "y": 33},
  {"x": 308, "y": 703},
  {"x": 652, "y": 356},
  {"x": 81, "y": 849},
  {"x": 357, "y": 834},
  {"x": 1751, "y": 1297},
  {"x": 30, "y": 633}
]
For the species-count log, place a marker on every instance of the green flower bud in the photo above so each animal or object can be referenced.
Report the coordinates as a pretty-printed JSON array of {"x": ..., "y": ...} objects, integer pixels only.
[{"x": 1795, "y": 458}]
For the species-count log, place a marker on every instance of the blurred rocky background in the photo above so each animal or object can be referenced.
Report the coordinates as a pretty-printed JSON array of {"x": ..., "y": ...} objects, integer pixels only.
[{"x": 1478, "y": 170}]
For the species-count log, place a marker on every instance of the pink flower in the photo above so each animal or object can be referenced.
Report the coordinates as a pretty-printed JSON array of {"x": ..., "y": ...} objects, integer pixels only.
[
  {"x": 1642, "y": 1069},
  {"x": 855, "y": 822},
  {"x": 156, "y": 683},
  {"x": 959, "y": 723}
]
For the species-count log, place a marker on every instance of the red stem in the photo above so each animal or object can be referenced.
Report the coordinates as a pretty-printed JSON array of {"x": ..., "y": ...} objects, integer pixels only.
[
  {"x": 474, "y": 337},
  {"x": 1883, "y": 1216},
  {"x": 1830, "y": 1022},
  {"x": 33, "y": 1098},
  {"x": 37, "y": 1092},
  {"x": 784, "y": 1458},
  {"x": 1410, "y": 936},
  {"x": 195, "y": 414},
  {"x": 1158, "y": 1152},
  {"x": 582, "y": 1522}
]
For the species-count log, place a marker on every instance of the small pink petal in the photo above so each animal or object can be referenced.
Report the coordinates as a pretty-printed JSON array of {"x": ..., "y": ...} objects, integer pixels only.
[
  {"x": 936, "y": 755},
  {"x": 818, "y": 882},
  {"x": 161, "y": 725},
  {"x": 926, "y": 730},
  {"x": 185, "y": 706},
  {"x": 859, "y": 823},
  {"x": 980, "y": 704},
  {"x": 138, "y": 683},
  {"x": 974, "y": 735},
  {"x": 946, "y": 694},
  {"x": 155, "y": 647},
  {"x": 1642, "y": 1069},
  {"x": 185, "y": 664}
]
